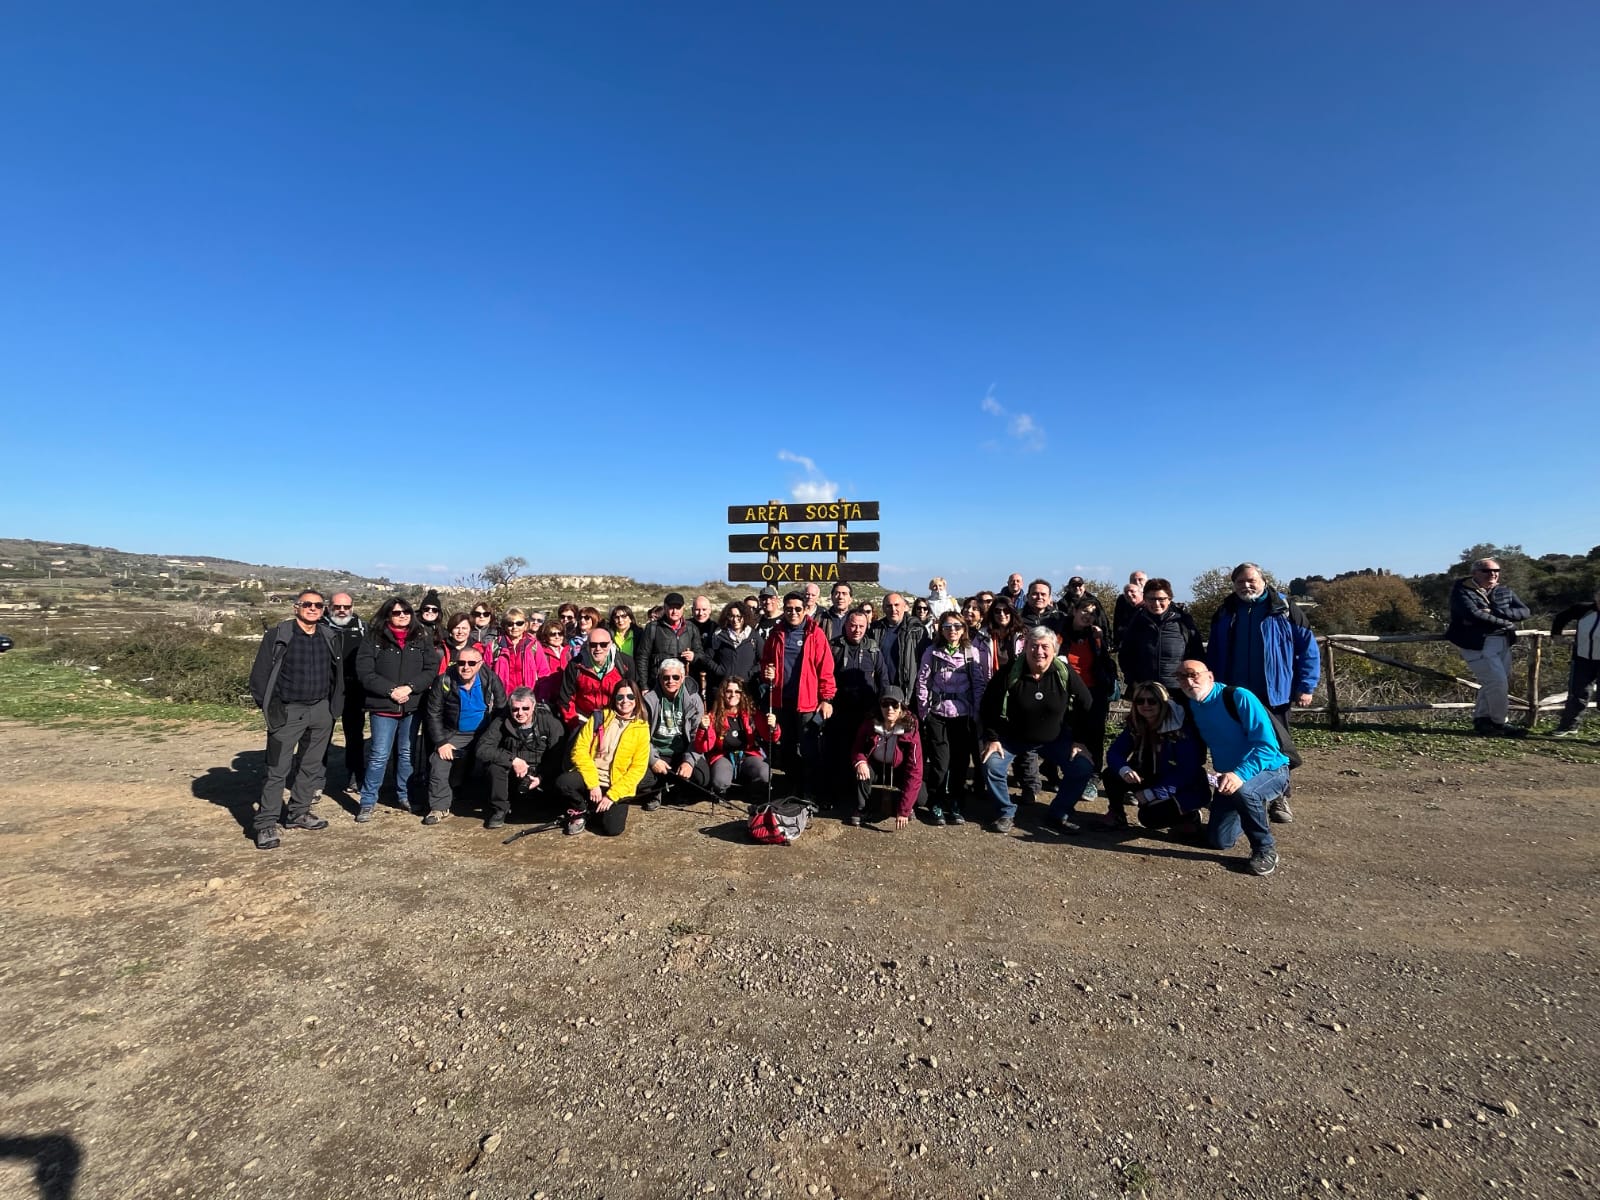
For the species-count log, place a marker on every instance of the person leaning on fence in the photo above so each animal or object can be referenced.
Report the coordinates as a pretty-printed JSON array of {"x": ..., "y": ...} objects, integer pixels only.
[
  {"x": 1251, "y": 769},
  {"x": 297, "y": 681},
  {"x": 797, "y": 667},
  {"x": 1262, "y": 642},
  {"x": 1585, "y": 669},
  {"x": 674, "y": 715},
  {"x": 609, "y": 755},
  {"x": 1483, "y": 623},
  {"x": 1159, "y": 763},
  {"x": 888, "y": 753},
  {"x": 1037, "y": 703},
  {"x": 461, "y": 706},
  {"x": 519, "y": 753}
]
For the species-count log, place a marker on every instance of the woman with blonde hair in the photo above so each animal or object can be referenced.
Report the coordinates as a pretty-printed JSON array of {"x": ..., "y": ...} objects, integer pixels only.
[
  {"x": 1159, "y": 762},
  {"x": 514, "y": 661}
]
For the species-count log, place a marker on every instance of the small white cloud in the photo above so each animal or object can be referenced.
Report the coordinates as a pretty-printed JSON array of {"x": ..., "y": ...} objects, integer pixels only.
[
  {"x": 815, "y": 488},
  {"x": 436, "y": 568},
  {"x": 992, "y": 406},
  {"x": 1021, "y": 426}
]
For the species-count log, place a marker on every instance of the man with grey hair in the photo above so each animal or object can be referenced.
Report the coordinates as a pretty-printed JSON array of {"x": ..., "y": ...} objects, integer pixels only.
[
  {"x": 342, "y": 619},
  {"x": 813, "y": 594},
  {"x": 297, "y": 682},
  {"x": 674, "y": 715},
  {"x": 1037, "y": 703},
  {"x": 1483, "y": 623},
  {"x": 901, "y": 640}
]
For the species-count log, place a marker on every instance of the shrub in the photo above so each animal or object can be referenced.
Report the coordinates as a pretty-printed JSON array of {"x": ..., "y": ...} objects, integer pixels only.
[{"x": 180, "y": 662}]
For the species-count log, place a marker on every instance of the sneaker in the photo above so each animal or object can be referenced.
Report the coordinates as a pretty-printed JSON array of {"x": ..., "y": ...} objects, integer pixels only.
[
  {"x": 651, "y": 804},
  {"x": 1565, "y": 731},
  {"x": 956, "y": 818},
  {"x": 1278, "y": 810},
  {"x": 853, "y": 819},
  {"x": 1004, "y": 825},
  {"x": 937, "y": 818},
  {"x": 266, "y": 839},
  {"x": 1264, "y": 862},
  {"x": 1068, "y": 826},
  {"x": 1090, "y": 792},
  {"x": 496, "y": 821},
  {"x": 365, "y": 813},
  {"x": 433, "y": 818},
  {"x": 307, "y": 821},
  {"x": 575, "y": 825}
]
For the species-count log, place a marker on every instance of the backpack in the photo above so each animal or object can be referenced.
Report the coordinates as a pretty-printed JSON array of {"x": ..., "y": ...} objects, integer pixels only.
[
  {"x": 1279, "y": 729},
  {"x": 780, "y": 822}
]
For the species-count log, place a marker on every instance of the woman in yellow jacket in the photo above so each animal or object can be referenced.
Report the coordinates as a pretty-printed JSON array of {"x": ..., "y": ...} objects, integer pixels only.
[{"x": 609, "y": 755}]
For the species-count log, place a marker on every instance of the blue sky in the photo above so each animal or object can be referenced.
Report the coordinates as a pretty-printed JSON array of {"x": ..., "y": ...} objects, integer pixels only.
[{"x": 1065, "y": 287}]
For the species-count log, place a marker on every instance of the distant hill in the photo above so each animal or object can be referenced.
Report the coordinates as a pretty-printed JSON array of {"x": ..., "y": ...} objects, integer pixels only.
[{"x": 26, "y": 559}]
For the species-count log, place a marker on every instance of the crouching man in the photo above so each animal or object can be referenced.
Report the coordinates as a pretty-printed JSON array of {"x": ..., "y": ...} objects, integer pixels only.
[
  {"x": 461, "y": 706},
  {"x": 1251, "y": 771},
  {"x": 675, "y": 715},
  {"x": 520, "y": 753}
]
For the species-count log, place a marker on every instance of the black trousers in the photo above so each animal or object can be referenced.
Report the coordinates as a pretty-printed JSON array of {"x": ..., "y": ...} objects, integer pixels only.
[
  {"x": 299, "y": 744},
  {"x": 446, "y": 776},
  {"x": 504, "y": 788},
  {"x": 799, "y": 753},
  {"x": 946, "y": 746},
  {"x": 574, "y": 794}
]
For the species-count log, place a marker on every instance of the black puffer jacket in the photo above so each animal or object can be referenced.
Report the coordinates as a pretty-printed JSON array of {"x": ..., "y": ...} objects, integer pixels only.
[
  {"x": 728, "y": 659},
  {"x": 908, "y": 647},
  {"x": 1151, "y": 647},
  {"x": 858, "y": 672},
  {"x": 382, "y": 666},
  {"x": 442, "y": 710},
  {"x": 657, "y": 641}
]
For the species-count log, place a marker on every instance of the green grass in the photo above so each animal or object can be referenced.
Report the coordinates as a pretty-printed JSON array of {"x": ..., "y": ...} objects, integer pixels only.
[
  {"x": 1391, "y": 742},
  {"x": 44, "y": 693}
]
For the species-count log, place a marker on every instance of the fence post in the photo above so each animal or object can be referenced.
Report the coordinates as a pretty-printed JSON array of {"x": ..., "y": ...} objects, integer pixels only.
[
  {"x": 1533, "y": 682},
  {"x": 1334, "y": 720}
]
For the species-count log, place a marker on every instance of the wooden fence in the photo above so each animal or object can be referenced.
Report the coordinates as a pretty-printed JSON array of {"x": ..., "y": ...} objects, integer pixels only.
[{"x": 1335, "y": 645}]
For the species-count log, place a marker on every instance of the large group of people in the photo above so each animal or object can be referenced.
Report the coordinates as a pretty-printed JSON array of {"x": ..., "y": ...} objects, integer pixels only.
[{"x": 932, "y": 704}]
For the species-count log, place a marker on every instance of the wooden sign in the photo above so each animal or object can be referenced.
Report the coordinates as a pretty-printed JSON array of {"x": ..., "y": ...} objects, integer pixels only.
[
  {"x": 840, "y": 542},
  {"x": 801, "y": 543},
  {"x": 802, "y": 572},
  {"x": 775, "y": 511}
]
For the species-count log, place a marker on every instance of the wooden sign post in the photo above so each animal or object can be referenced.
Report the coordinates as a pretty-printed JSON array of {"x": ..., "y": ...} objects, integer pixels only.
[{"x": 776, "y": 542}]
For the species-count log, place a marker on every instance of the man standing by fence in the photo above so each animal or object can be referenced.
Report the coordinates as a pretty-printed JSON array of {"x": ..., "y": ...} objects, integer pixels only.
[
  {"x": 298, "y": 682},
  {"x": 1483, "y": 623}
]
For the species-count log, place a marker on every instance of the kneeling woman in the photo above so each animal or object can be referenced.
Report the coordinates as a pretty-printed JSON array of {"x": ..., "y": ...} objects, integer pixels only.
[
  {"x": 609, "y": 753},
  {"x": 1159, "y": 762},
  {"x": 732, "y": 742},
  {"x": 888, "y": 753}
]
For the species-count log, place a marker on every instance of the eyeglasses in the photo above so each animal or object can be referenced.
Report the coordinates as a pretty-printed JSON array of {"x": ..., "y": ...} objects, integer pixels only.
[
  {"x": 312, "y": 604},
  {"x": 343, "y": 607},
  {"x": 1158, "y": 599},
  {"x": 621, "y": 696},
  {"x": 952, "y": 625},
  {"x": 522, "y": 708},
  {"x": 672, "y": 679}
]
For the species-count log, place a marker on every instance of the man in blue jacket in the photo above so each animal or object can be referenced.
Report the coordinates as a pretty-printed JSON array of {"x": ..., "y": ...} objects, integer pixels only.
[
  {"x": 1262, "y": 642},
  {"x": 1251, "y": 771}
]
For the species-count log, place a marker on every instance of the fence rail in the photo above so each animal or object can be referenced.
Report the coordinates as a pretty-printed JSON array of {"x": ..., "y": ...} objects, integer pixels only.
[{"x": 1333, "y": 645}]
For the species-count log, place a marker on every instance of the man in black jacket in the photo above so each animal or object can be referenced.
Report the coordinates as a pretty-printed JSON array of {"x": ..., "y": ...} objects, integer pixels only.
[
  {"x": 1484, "y": 614},
  {"x": 297, "y": 680},
  {"x": 342, "y": 619},
  {"x": 859, "y": 675},
  {"x": 901, "y": 640},
  {"x": 461, "y": 706},
  {"x": 670, "y": 636},
  {"x": 520, "y": 753}
]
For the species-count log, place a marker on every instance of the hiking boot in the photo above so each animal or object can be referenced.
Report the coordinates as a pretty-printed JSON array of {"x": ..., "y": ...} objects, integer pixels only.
[
  {"x": 1484, "y": 727},
  {"x": 495, "y": 821},
  {"x": 365, "y": 813},
  {"x": 1278, "y": 810},
  {"x": 956, "y": 818},
  {"x": 651, "y": 804},
  {"x": 1004, "y": 825},
  {"x": 266, "y": 839},
  {"x": 1264, "y": 862},
  {"x": 1117, "y": 816},
  {"x": 853, "y": 819},
  {"x": 937, "y": 818},
  {"x": 307, "y": 821},
  {"x": 433, "y": 818},
  {"x": 1512, "y": 731}
]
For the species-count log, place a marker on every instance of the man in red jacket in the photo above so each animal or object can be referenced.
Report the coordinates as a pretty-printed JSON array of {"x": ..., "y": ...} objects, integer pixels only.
[{"x": 797, "y": 665}]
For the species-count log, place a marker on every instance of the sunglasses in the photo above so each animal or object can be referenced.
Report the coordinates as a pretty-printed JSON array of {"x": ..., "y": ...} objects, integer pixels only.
[
  {"x": 952, "y": 625},
  {"x": 515, "y": 624},
  {"x": 312, "y": 604},
  {"x": 429, "y": 608},
  {"x": 594, "y": 645},
  {"x": 343, "y": 607},
  {"x": 522, "y": 708},
  {"x": 621, "y": 696},
  {"x": 888, "y": 704},
  {"x": 1152, "y": 701},
  {"x": 480, "y": 613},
  {"x": 792, "y": 608},
  {"x": 400, "y": 612},
  {"x": 470, "y": 662}
]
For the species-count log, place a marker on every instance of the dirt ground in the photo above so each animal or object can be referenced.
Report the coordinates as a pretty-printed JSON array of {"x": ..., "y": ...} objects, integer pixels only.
[{"x": 1408, "y": 1007}]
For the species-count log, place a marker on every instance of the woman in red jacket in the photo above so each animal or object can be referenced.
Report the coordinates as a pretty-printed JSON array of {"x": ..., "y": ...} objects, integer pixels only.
[
  {"x": 731, "y": 742},
  {"x": 888, "y": 753}
]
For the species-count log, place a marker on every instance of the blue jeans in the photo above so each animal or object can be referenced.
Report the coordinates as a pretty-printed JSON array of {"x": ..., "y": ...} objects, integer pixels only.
[
  {"x": 1075, "y": 773},
  {"x": 390, "y": 735},
  {"x": 1246, "y": 810}
]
